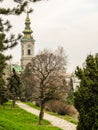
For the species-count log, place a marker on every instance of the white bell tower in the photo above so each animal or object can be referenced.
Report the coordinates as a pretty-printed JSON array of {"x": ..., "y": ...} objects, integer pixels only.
[{"x": 27, "y": 44}]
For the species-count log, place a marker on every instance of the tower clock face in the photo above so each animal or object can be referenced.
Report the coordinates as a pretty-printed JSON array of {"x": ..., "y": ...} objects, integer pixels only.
[{"x": 29, "y": 46}]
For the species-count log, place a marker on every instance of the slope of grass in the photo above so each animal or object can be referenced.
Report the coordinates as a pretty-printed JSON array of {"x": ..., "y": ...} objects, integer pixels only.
[
  {"x": 65, "y": 117},
  {"x": 18, "y": 119}
]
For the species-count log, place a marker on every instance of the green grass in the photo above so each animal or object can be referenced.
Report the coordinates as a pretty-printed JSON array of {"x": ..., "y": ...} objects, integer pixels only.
[
  {"x": 65, "y": 117},
  {"x": 32, "y": 105},
  {"x": 18, "y": 119}
]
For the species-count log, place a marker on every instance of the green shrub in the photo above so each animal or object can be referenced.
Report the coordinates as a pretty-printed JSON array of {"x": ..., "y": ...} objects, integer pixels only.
[{"x": 61, "y": 108}]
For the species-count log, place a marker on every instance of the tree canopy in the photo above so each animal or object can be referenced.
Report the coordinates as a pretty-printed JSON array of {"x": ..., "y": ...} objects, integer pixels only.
[
  {"x": 48, "y": 71},
  {"x": 15, "y": 87},
  {"x": 86, "y": 98}
]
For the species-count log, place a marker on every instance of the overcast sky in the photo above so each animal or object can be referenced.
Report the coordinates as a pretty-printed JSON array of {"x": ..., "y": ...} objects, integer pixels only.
[{"x": 72, "y": 24}]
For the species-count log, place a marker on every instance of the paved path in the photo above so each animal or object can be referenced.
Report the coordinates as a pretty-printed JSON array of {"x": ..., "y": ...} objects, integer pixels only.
[{"x": 56, "y": 121}]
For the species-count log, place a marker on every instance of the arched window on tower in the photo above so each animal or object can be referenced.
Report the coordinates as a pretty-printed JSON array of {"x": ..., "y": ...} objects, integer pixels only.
[{"x": 29, "y": 52}]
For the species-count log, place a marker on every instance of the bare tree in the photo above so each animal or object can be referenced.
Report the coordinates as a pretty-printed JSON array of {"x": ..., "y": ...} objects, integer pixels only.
[{"x": 48, "y": 69}]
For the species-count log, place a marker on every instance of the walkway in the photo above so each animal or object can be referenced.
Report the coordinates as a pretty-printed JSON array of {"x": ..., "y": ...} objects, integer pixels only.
[{"x": 56, "y": 121}]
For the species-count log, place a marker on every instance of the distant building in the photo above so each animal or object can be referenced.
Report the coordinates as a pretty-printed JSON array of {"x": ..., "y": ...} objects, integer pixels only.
[
  {"x": 9, "y": 68},
  {"x": 17, "y": 68},
  {"x": 72, "y": 80},
  {"x": 27, "y": 44},
  {"x": 75, "y": 82}
]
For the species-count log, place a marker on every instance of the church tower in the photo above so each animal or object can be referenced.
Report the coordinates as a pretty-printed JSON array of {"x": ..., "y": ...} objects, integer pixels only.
[{"x": 27, "y": 44}]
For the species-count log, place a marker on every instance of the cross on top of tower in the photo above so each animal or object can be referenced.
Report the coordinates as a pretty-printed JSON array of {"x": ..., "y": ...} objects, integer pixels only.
[{"x": 27, "y": 18}]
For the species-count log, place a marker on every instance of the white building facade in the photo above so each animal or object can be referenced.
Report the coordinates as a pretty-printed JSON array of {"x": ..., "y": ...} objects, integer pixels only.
[{"x": 27, "y": 44}]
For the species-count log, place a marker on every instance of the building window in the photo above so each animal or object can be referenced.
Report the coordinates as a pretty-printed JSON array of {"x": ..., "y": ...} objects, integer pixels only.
[{"x": 29, "y": 52}]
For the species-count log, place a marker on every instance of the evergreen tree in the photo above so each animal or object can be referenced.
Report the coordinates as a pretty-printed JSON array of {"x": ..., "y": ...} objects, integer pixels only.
[
  {"x": 15, "y": 87},
  {"x": 70, "y": 98},
  {"x": 86, "y": 98}
]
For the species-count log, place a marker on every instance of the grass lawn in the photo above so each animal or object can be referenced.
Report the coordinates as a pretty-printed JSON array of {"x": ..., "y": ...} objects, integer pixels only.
[
  {"x": 18, "y": 119},
  {"x": 65, "y": 117}
]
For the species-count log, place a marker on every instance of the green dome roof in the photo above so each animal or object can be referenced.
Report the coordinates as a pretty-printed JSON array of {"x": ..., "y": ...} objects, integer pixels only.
[{"x": 17, "y": 68}]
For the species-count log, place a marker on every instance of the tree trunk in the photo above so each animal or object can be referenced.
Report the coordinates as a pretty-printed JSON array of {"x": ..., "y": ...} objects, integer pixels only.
[
  {"x": 13, "y": 102},
  {"x": 41, "y": 114}
]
